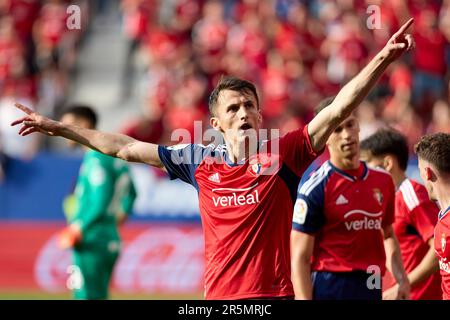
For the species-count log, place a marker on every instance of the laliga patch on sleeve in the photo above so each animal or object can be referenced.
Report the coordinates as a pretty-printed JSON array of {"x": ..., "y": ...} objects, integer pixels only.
[{"x": 300, "y": 211}]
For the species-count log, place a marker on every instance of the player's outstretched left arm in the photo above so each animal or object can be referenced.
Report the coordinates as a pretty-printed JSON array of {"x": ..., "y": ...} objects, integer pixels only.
[
  {"x": 395, "y": 265},
  {"x": 351, "y": 95}
]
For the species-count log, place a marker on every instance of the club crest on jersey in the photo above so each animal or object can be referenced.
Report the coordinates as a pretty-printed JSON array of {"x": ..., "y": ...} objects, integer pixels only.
[
  {"x": 378, "y": 195},
  {"x": 443, "y": 242},
  {"x": 255, "y": 166}
]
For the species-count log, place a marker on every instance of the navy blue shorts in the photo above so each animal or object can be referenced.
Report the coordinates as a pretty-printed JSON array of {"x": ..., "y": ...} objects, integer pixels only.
[{"x": 343, "y": 286}]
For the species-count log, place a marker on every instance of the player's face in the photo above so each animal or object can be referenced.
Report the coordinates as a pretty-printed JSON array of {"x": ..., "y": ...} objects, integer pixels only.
[
  {"x": 237, "y": 115},
  {"x": 70, "y": 119},
  {"x": 425, "y": 175},
  {"x": 344, "y": 141}
]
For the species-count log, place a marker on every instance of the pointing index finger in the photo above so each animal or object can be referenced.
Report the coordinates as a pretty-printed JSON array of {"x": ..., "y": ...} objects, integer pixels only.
[
  {"x": 404, "y": 27},
  {"x": 23, "y": 108}
]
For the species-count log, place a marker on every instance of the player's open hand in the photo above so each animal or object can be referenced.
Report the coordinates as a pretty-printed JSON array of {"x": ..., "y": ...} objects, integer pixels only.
[
  {"x": 34, "y": 122},
  {"x": 400, "y": 42}
]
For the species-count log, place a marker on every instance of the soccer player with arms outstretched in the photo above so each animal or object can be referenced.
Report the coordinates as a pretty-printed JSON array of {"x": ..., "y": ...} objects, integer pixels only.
[
  {"x": 246, "y": 212},
  {"x": 433, "y": 152}
]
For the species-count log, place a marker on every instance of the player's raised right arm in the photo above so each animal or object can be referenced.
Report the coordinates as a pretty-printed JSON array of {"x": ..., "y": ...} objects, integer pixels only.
[{"x": 116, "y": 145}]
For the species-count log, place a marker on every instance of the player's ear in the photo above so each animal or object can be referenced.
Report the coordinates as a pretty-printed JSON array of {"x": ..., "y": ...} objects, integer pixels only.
[
  {"x": 388, "y": 162},
  {"x": 429, "y": 174},
  {"x": 215, "y": 123}
]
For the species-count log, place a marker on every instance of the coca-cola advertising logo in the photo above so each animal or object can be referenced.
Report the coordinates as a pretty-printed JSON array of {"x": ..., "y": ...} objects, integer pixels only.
[{"x": 163, "y": 259}]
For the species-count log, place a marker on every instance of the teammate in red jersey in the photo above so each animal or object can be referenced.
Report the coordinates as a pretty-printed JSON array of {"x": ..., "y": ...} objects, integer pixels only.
[
  {"x": 415, "y": 216},
  {"x": 245, "y": 204},
  {"x": 342, "y": 226},
  {"x": 433, "y": 152}
]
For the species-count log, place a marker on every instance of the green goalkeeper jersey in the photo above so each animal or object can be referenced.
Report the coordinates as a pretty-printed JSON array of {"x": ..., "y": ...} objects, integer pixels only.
[{"x": 104, "y": 189}]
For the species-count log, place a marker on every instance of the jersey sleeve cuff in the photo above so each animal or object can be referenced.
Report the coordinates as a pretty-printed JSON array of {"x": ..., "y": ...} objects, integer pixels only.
[
  {"x": 163, "y": 153},
  {"x": 303, "y": 228}
]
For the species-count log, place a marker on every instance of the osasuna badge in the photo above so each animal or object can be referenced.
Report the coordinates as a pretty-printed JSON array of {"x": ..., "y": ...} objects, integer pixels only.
[
  {"x": 443, "y": 242},
  {"x": 378, "y": 196},
  {"x": 256, "y": 168}
]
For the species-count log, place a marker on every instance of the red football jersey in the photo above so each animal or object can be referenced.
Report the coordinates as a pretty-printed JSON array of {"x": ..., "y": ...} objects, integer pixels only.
[
  {"x": 246, "y": 211},
  {"x": 415, "y": 218},
  {"x": 347, "y": 214},
  {"x": 441, "y": 242}
]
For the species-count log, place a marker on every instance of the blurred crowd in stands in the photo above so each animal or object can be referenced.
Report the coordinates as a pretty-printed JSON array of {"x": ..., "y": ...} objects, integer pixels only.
[
  {"x": 297, "y": 52},
  {"x": 37, "y": 57}
]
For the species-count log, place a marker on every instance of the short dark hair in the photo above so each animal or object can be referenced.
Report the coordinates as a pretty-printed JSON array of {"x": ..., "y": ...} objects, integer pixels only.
[
  {"x": 231, "y": 83},
  {"x": 82, "y": 111},
  {"x": 435, "y": 148},
  {"x": 388, "y": 141},
  {"x": 323, "y": 104}
]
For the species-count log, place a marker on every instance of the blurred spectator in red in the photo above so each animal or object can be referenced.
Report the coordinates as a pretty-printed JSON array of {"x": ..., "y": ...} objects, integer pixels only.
[
  {"x": 248, "y": 40},
  {"x": 287, "y": 122},
  {"x": 144, "y": 129},
  {"x": 24, "y": 13},
  {"x": 183, "y": 15},
  {"x": 49, "y": 31},
  {"x": 209, "y": 38},
  {"x": 159, "y": 88},
  {"x": 440, "y": 121},
  {"x": 320, "y": 79},
  {"x": 429, "y": 61},
  {"x": 186, "y": 108},
  {"x": 400, "y": 84},
  {"x": 275, "y": 86},
  {"x": 11, "y": 49},
  {"x": 368, "y": 118},
  {"x": 410, "y": 124},
  {"x": 138, "y": 16}
]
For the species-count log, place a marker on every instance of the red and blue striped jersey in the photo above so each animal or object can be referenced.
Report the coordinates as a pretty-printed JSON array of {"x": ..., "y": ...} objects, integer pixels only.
[{"x": 347, "y": 214}]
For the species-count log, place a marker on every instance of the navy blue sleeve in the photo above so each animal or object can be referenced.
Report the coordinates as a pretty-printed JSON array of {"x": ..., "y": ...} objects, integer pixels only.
[
  {"x": 309, "y": 214},
  {"x": 182, "y": 160}
]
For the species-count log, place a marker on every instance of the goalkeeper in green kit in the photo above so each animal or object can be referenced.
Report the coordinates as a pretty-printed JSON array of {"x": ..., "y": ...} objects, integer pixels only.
[{"x": 103, "y": 198}]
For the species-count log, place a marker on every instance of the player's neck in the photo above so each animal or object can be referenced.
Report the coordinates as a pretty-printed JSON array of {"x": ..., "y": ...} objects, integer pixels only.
[
  {"x": 443, "y": 196},
  {"x": 239, "y": 152},
  {"x": 398, "y": 177},
  {"x": 351, "y": 163}
]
